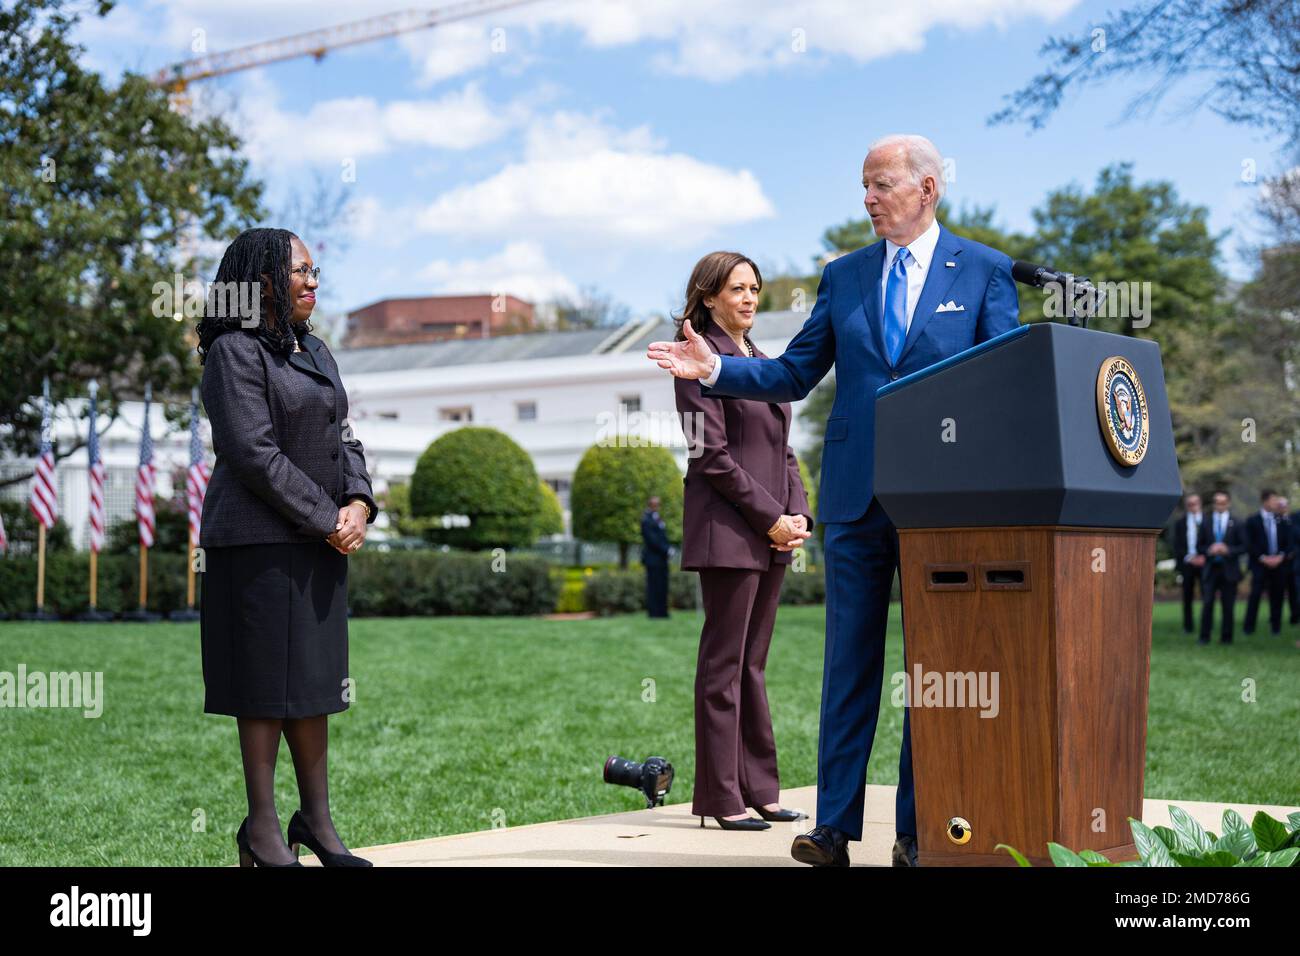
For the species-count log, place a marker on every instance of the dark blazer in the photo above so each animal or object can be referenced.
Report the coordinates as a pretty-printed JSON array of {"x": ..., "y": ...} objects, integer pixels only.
[
  {"x": 284, "y": 465},
  {"x": 1179, "y": 534},
  {"x": 742, "y": 477},
  {"x": 1257, "y": 538},
  {"x": 654, "y": 539},
  {"x": 1231, "y": 562}
]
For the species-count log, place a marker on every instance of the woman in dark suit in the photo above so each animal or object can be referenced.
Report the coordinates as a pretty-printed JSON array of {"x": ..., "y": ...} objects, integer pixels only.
[
  {"x": 745, "y": 511},
  {"x": 288, "y": 501}
]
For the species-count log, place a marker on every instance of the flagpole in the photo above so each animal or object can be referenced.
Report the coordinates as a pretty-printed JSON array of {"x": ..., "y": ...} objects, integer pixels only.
[
  {"x": 40, "y": 568},
  {"x": 95, "y": 487},
  {"x": 144, "y": 494},
  {"x": 44, "y": 501},
  {"x": 196, "y": 484}
]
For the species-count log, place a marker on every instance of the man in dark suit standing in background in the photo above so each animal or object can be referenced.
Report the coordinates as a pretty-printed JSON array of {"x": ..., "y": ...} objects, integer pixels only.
[
  {"x": 1222, "y": 545},
  {"x": 1188, "y": 558},
  {"x": 1267, "y": 542},
  {"x": 1291, "y": 562},
  {"x": 654, "y": 555}
]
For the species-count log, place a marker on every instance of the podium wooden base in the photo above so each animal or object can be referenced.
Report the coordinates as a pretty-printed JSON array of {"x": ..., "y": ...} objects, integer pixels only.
[{"x": 1028, "y": 656}]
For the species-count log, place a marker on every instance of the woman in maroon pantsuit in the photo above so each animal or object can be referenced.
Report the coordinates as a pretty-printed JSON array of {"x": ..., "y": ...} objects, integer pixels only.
[{"x": 745, "y": 511}]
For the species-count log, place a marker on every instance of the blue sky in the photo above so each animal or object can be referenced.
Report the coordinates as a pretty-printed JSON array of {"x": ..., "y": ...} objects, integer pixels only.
[{"x": 566, "y": 144}]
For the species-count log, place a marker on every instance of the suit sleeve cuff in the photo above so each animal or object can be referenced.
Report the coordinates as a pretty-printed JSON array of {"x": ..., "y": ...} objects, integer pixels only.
[{"x": 712, "y": 378}]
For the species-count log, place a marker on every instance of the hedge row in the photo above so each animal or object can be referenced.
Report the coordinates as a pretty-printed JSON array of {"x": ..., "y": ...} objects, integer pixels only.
[
  {"x": 67, "y": 583},
  {"x": 621, "y": 592},
  {"x": 383, "y": 584}
]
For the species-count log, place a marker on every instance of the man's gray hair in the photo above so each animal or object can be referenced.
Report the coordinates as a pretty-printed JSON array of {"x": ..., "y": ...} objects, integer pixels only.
[{"x": 923, "y": 158}]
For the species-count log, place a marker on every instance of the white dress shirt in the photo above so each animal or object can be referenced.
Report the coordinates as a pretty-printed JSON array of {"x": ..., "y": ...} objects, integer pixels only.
[
  {"x": 1193, "y": 529},
  {"x": 922, "y": 250}
]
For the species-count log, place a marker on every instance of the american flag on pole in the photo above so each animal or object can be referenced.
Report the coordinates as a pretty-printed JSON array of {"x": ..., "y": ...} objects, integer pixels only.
[
  {"x": 144, "y": 479},
  {"x": 196, "y": 479},
  {"x": 45, "y": 500},
  {"x": 96, "y": 477}
]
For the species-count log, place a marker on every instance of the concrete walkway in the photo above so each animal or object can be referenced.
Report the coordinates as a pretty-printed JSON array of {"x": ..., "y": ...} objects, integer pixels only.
[{"x": 670, "y": 836}]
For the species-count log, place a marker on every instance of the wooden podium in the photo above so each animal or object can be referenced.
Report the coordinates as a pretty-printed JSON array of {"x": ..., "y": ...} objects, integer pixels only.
[{"x": 1027, "y": 569}]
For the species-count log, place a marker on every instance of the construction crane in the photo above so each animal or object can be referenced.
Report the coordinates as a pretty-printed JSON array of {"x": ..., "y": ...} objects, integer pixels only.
[{"x": 316, "y": 43}]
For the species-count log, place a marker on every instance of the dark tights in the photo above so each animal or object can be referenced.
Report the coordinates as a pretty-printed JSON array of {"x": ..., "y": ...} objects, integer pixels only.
[{"x": 259, "y": 744}]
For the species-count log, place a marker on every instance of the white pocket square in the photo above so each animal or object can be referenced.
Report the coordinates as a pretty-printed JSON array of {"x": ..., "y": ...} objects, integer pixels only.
[{"x": 951, "y": 306}]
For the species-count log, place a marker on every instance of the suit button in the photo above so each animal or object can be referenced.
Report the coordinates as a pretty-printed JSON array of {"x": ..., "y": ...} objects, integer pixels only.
[
  {"x": 331, "y": 419},
  {"x": 893, "y": 376},
  {"x": 334, "y": 455}
]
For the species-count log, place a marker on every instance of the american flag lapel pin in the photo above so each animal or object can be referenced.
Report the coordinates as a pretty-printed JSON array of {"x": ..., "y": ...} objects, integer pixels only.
[{"x": 951, "y": 265}]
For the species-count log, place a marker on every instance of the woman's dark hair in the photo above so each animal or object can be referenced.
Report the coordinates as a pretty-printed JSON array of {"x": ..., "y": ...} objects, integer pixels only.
[
  {"x": 253, "y": 253},
  {"x": 708, "y": 278}
]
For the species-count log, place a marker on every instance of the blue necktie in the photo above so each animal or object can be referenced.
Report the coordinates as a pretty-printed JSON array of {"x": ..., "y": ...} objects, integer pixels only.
[{"x": 896, "y": 305}]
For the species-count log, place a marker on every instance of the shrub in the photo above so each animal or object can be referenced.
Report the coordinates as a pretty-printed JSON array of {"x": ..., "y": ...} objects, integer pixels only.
[
  {"x": 610, "y": 487},
  {"x": 480, "y": 473}
]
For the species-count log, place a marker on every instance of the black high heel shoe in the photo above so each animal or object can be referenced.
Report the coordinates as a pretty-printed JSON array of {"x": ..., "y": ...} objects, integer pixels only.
[
  {"x": 781, "y": 816},
  {"x": 749, "y": 823},
  {"x": 300, "y": 833},
  {"x": 246, "y": 855}
]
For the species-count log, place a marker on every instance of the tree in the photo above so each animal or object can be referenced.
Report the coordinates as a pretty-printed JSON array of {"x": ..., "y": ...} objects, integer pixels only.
[
  {"x": 483, "y": 475},
  {"x": 100, "y": 185},
  {"x": 550, "y": 517},
  {"x": 611, "y": 486},
  {"x": 589, "y": 309},
  {"x": 1249, "y": 49}
]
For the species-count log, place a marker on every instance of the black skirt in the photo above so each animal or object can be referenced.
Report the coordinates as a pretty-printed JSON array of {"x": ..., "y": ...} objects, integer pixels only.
[{"x": 274, "y": 630}]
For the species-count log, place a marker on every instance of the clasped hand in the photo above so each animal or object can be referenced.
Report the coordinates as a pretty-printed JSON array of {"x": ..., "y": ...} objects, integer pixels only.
[
  {"x": 790, "y": 532},
  {"x": 350, "y": 531}
]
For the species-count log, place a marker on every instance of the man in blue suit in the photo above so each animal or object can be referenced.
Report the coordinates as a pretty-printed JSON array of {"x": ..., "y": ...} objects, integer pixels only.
[{"x": 917, "y": 296}]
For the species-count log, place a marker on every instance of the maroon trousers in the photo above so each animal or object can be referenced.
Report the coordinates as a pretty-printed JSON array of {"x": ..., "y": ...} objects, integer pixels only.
[{"x": 735, "y": 753}]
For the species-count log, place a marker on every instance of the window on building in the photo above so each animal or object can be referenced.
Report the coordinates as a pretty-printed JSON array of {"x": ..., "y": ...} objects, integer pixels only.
[
  {"x": 388, "y": 415},
  {"x": 630, "y": 402},
  {"x": 460, "y": 413},
  {"x": 526, "y": 411}
]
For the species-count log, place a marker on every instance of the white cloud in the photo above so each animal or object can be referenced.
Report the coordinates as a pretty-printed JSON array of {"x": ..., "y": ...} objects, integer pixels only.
[
  {"x": 359, "y": 126},
  {"x": 581, "y": 178},
  {"x": 520, "y": 269}
]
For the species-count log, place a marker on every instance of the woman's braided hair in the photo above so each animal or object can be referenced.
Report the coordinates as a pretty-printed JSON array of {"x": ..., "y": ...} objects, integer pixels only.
[{"x": 253, "y": 252}]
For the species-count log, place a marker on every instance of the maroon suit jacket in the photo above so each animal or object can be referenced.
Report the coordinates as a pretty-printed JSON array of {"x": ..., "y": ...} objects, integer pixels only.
[{"x": 742, "y": 477}]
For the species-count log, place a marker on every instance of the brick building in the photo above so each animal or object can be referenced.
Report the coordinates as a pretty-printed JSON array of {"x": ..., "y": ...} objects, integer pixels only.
[{"x": 436, "y": 318}]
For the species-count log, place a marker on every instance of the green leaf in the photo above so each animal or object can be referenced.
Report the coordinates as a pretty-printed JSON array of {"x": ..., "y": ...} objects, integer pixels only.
[
  {"x": 1293, "y": 821},
  {"x": 1173, "y": 841},
  {"x": 1232, "y": 820},
  {"x": 1190, "y": 830},
  {"x": 1063, "y": 857},
  {"x": 1240, "y": 843},
  {"x": 1150, "y": 847},
  {"x": 1279, "y": 858},
  {"x": 1218, "y": 858},
  {"x": 1270, "y": 834},
  {"x": 1094, "y": 858},
  {"x": 1015, "y": 854}
]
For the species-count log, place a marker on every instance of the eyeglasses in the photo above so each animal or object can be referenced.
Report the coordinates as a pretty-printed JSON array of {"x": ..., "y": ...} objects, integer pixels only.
[{"x": 303, "y": 271}]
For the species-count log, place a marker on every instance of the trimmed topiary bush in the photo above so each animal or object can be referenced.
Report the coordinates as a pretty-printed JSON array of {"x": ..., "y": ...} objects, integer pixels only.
[
  {"x": 610, "y": 487},
  {"x": 482, "y": 474}
]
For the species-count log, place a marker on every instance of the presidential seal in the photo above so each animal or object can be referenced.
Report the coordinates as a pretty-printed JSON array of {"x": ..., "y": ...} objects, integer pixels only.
[{"x": 1122, "y": 411}]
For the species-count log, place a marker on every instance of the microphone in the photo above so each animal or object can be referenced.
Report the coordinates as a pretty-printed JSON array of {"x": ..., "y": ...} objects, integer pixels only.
[
  {"x": 1027, "y": 273},
  {"x": 1082, "y": 299}
]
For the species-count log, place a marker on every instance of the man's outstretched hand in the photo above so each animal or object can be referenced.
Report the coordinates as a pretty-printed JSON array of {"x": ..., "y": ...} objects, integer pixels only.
[{"x": 690, "y": 358}]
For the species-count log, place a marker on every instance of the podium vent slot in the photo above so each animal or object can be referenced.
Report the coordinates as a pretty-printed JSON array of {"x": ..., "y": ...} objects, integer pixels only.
[
  {"x": 949, "y": 577},
  {"x": 1005, "y": 576}
]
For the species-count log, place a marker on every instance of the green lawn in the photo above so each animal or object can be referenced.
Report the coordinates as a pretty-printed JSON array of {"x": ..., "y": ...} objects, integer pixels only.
[{"x": 460, "y": 721}]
